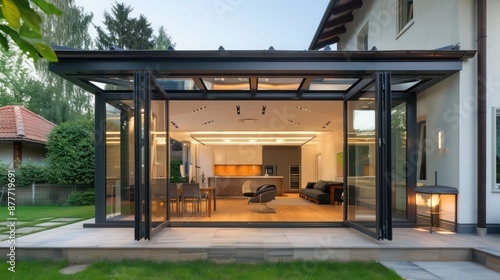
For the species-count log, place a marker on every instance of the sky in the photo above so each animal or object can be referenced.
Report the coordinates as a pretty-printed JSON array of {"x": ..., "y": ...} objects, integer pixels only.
[{"x": 233, "y": 24}]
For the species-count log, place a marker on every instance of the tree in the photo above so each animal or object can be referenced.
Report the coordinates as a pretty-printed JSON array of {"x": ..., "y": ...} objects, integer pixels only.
[
  {"x": 71, "y": 153},
  {"x": 65, "y": 101},
  {"x": 21, "y": 23},
  {"x": 123, "y": 31},
  {"x": 163, "y": 40}
]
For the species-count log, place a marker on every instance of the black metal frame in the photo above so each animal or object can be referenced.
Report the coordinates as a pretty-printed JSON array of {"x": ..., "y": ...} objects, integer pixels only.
[{"x": 80, "y": 67}]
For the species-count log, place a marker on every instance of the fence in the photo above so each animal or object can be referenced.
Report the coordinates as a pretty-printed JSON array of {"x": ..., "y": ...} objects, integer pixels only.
[{"x": 42, "y": 194}]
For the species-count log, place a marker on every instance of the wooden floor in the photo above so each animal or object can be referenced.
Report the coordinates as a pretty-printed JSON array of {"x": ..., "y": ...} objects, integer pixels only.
[{"x": 237, "y": 209}]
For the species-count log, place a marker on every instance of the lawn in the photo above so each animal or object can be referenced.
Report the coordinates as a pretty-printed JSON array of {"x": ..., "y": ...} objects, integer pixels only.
[
  {"x": 31, "y": 216},
  {"x": 202, "y": 269}
]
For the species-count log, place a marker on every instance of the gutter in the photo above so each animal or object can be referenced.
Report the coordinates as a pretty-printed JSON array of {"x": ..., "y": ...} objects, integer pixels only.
[{"x": 481, "y": 116}]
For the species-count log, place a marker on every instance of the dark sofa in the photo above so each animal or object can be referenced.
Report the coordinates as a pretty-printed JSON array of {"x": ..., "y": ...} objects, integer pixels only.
[{"x": 323, "y": 192}]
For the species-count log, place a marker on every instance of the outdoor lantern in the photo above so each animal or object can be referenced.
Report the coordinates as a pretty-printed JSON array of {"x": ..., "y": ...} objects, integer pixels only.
[{"x": 441, "y": 202}]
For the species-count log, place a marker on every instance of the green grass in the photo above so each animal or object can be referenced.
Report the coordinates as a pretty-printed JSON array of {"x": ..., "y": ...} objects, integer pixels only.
[
  {"x": 33, "y": 215},
  {"x": 202, "y": 269}
]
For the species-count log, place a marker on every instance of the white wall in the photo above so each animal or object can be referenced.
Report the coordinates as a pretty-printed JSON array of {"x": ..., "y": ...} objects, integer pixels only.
[
  {"x": 435, "y": 25},
  {"x": 6, "y": 153},
  {"x": 307, "y": 164}
]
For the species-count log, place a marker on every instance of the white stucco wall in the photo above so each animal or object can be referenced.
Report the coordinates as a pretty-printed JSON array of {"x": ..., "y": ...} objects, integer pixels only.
[{"x": 6, "y": 153}]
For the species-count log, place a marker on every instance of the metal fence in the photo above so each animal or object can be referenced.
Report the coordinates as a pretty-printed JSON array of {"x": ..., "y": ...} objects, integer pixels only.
[{"x": 41, "y": 194}]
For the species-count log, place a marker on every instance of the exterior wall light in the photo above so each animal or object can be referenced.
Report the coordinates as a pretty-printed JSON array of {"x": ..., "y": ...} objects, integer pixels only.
[{"x": 441, "y": 140}]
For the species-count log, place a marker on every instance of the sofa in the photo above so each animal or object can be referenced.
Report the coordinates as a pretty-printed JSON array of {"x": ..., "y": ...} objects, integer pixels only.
[{"x": 323, "y": 192}]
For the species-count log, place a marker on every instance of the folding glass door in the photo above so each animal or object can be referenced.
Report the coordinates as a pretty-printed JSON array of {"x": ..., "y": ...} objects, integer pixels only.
[{"x": 367, "y": 124}]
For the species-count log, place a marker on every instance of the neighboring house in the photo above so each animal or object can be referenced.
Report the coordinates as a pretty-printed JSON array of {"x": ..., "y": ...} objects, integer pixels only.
[
  {"x": 468, "y": 161},
  {"x": 23, "y": 135}
]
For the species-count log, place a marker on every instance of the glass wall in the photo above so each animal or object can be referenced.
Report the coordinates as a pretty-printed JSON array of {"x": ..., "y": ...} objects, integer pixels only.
[
  {"x": 398, "y": 146},
  {"x": 119, "y": 160},
  {"x": 158, "y": 161}
]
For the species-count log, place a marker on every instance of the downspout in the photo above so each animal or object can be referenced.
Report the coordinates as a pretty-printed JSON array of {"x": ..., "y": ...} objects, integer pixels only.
[{"x": 481, "y": 117}]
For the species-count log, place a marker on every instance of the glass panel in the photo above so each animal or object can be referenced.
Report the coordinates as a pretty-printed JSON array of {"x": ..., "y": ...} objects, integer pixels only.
[
  {"x": 158, "y": 160},
  {"x": 119, "y": 160},
  {"x": 398, "y": 145},
  {"x": 112, "y": 84},
  {"x": 361, "y": 162},
  {"x": 279, "y": 83},
  {"x": 177, "y": 84},
  {"x": 404, "y": 84},
  {"x": 331, "y": 84},
  {"x": 227, "y": 83}
]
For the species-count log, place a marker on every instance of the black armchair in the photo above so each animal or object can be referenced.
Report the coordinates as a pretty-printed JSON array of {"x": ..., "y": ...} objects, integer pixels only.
[{"x": 263, "y": 195}]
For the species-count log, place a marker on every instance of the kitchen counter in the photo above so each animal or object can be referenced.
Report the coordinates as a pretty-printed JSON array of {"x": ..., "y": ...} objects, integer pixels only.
[{"x": 231, "y": 185}]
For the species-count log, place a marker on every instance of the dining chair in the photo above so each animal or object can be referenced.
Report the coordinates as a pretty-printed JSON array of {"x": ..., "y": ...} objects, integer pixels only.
[
  {"x": 191, "y": 194},
  {"x": 173, "y": 197}
]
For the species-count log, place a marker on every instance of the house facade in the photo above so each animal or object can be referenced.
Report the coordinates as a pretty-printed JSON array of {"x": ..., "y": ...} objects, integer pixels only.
[{"x": 23, "y": 135}]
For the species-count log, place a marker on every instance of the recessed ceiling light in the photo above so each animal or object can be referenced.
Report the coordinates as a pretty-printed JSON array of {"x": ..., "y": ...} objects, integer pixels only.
[
  {"x": 199, "y": 109},
  {"x": 263, "y": 109},
  {"x": 174, "y": 124},
  {"x": 326, "y": 124},
  {"x": 294, "y": 122},
  {"x": 238, "y": 111},
  {"x": 205, "y": 123},
  {"x": 303, "y": 109}
]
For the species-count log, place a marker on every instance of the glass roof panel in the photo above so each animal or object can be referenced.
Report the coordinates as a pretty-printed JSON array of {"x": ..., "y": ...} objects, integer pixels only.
[
  {"x": 403, "y": 84},
  {"x": 224, "y": 83},
  {"x": 279, "y": 83},
  {"x": 112, "y": 84},
  {"x": 331, "y": 84},
  {"x": 177, "y": 84}
]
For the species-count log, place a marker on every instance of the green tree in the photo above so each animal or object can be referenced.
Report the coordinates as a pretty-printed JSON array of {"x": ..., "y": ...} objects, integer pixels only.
[
  {"x": 71, "y": 153},
  {"x": 66, "y": 101},
  {"x": 21, "y": 23},
  {"x": 123, "y": 31},
  {"x": 163, "y": 40}
]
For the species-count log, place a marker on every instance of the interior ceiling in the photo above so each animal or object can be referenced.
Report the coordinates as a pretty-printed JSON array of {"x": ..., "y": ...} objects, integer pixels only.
[{"x": 267, "y": 121}]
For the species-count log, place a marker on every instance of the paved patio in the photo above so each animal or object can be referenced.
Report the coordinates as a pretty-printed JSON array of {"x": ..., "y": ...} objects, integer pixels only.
[{"x": 413, "y": 253}]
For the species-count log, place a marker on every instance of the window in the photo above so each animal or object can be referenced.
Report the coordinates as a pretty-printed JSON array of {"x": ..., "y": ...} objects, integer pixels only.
[
  {"x": 405, "y": 13},
  {"x": 421, "y": 163},
  {"x": 363, "y": 38},
  {"x": 497, "y": 152}
]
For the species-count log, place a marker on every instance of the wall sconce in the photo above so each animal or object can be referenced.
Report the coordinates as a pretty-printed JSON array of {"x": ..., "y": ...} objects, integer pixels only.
[{"x": 441, "y": 140}]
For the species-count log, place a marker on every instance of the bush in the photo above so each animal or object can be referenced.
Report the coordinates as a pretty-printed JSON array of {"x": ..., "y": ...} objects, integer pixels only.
[
  {"x": 71, "y": 153},
  {"x": 31, "y": 172},
  {"x": 4, "y": 170},
  {"x": 81, "y": 198},
  {"x": 175, "y": 171}
]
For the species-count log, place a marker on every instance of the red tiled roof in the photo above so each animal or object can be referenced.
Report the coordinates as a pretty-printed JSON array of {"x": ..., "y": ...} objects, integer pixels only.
[{"x": 19, "y": 123}]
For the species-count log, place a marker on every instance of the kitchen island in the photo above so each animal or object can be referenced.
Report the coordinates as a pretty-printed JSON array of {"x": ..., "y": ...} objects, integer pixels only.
[{"x": 231, "y": 185}]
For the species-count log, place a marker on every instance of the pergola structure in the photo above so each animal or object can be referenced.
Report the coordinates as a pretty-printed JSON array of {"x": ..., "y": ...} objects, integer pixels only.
[{"x": 132, "y": 79}]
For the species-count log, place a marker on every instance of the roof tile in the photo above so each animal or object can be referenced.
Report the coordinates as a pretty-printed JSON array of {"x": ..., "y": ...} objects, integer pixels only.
[{"x": 17, "y": 122}]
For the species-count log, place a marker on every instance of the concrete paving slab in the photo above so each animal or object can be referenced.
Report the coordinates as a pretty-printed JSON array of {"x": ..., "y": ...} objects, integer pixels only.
[
  {"x": 73, "y": 269},
  {"x": 64, "y": 219},
  {"x": 28, "y": 229},
  {"x": 49, "y": 224}
]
